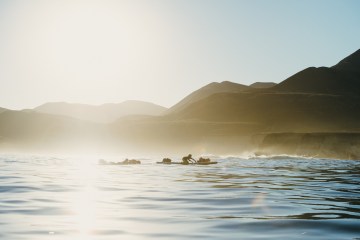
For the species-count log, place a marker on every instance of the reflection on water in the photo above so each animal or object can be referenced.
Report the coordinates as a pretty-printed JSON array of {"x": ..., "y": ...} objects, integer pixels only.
[
  {"x": 274, "y": 198},
  {"x": 84, "y": 200}
]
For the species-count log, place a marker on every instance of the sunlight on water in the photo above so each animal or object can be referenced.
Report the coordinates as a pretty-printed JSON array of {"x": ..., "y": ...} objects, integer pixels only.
[
  {"x": 260, "y": 202},
  {"x": 85, "y": 211},
  {"x": 84, "y": 201},
  {"x": 255, "y": 198}
]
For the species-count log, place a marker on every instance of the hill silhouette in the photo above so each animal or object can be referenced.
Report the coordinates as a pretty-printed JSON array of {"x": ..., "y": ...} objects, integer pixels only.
[
  {"x": 296, "y": 112},
  {"x": 316, "y": 105},
  {"x": 343, "y": 78},
  {"x": 206, "y": 91},
  {"x": 3, "y": 110},
  {"x": 315, "y": 100},
  {"x": 22, "y": 130},
  {"x": 350, "y": 63},
  {"x": 104, "y": 113}
]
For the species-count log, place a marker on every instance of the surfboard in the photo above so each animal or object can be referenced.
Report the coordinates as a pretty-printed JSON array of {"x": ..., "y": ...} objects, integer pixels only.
[{"x": 181, "y": 163}]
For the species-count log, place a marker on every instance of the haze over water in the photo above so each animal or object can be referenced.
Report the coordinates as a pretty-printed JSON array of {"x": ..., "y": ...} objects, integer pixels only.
[{"x": 257, "y": 198}]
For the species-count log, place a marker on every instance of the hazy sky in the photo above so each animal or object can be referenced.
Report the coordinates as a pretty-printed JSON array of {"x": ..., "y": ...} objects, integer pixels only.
[{"x": 161, "y": 50}]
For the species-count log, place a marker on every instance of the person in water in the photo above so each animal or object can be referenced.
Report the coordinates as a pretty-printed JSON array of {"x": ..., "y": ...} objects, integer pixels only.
[
  {"x": 203, "y": 160},
  {"x": 166, "y": 160},
  {"x": 188, "y": 159},
  {"x": 131, "y": 161}
]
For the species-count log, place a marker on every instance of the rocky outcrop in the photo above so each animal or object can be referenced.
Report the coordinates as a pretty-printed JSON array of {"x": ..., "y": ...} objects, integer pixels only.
[{"x": 320, "y": 145}]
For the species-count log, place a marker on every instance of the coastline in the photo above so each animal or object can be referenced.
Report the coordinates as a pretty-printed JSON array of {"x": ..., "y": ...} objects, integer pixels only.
[{"x": 336, "y": 145}]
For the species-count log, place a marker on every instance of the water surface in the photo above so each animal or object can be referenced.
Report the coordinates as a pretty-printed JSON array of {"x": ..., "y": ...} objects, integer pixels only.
[{"x": 259, "y": 198}]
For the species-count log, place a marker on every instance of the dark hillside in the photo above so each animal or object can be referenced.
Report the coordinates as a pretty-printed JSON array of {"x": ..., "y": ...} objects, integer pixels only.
[{"x": 207, "y": 91}]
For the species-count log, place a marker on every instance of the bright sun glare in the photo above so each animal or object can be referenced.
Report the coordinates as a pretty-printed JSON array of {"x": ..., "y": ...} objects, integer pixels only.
[{"x": 71, "y": 47}]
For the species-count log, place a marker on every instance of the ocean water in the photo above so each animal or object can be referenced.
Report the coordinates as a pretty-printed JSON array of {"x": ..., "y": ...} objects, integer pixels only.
[{"x": 257, "y": 198}]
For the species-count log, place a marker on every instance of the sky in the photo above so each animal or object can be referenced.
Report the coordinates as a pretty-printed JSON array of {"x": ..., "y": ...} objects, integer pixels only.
[{"x": 104, "y": 51}]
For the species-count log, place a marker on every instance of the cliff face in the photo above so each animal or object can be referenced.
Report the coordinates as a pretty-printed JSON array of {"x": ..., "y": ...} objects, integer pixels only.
[{"x": 321, "y": 145}]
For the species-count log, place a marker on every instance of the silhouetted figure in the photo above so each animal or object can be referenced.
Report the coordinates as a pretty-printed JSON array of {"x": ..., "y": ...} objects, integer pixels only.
[
  {"x": 166, "y": 160},
  {"x": 203, "y": 160},
  {"x": 132, "y": 161},
  {"x": 188, "y": 159}
]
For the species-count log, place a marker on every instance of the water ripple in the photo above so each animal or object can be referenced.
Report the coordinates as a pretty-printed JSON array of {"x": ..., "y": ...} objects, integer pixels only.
[{"x": 257, "y": 198}]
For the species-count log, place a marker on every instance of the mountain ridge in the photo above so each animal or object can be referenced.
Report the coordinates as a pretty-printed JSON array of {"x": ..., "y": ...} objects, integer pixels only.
[
  {"x": 222, "y": 116},
  {"x": 3, "y": 109},
  {"x": 342, "y": 78},
  {"x": 350, "y": 63},
  {"x": 207, "y": 90},
  {"x": 103, "y": 113}
]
